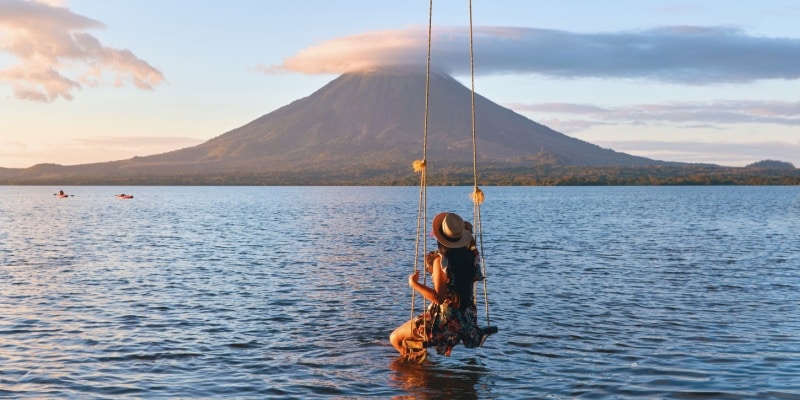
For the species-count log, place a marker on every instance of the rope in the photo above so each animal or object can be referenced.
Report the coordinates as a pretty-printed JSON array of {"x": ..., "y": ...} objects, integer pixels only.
[
  {"x": 472, "y": 91},
  {"x": 421, "y": 167},
  {"x": 477, "y": 193}
]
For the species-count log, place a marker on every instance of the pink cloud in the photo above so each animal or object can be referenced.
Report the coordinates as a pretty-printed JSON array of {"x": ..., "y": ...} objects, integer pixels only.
[
  {"x": 55, "y": 56},
  {"x": 675, "y": 54},
  {"x": 714, "y": 113},
  {"x": 731, "y": 154},
  {"x": 18, "y": 154},
  {"x": 358, "y": 53}
]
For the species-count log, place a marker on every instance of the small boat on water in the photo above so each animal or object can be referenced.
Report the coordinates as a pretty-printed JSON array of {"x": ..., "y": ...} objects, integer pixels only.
[{"x": 124, "y": 196}]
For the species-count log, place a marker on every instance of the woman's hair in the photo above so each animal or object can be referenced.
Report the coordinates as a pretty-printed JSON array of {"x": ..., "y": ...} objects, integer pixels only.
[{"x": 461, "y": 262}]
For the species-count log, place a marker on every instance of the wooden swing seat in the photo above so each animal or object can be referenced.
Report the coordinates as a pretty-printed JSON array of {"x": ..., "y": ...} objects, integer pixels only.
[{"x": 416, "y": 350}]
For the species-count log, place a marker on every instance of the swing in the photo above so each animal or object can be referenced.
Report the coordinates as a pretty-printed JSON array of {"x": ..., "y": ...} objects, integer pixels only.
[{"x": 416, "y": 347}]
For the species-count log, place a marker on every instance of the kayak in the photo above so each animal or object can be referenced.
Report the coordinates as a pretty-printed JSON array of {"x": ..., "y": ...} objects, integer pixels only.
[{"x": 124, "y": 196}]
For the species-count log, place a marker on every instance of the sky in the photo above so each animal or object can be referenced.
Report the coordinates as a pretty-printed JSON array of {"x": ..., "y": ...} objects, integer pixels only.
[{"x": 712, "y": 81}]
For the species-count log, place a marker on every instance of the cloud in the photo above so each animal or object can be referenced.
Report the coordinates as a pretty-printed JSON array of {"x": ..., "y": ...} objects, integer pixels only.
[
  {"x": 688, "y": 114},
  {"x": 136, "y": 145},
  {"x": 358, "y": 52},
  {"x": 55, "y": 56},
  {"x": 16, "y": 154},
  {"x": 730, "y": 154},
  {"x": 674, "y": 54}
]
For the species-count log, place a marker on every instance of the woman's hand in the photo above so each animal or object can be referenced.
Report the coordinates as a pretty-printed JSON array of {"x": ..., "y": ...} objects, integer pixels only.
[{"x": 413, "y": 278}]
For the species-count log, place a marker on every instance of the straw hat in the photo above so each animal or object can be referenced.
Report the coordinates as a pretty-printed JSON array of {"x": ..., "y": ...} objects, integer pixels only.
[{"x": 449, "y": 230}]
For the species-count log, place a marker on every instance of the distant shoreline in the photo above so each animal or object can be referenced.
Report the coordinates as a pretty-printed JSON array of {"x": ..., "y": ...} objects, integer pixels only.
[{"x": 544, "y": 175}]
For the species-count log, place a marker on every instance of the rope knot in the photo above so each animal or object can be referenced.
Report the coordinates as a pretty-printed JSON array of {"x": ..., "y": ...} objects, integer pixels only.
[
  {"x": 477, "y": 196},
  {"x": 419, "y": 165}
]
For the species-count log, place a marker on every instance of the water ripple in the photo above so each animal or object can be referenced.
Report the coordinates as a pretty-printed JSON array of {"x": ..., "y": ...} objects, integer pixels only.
[{"x": 187, "y": 292}]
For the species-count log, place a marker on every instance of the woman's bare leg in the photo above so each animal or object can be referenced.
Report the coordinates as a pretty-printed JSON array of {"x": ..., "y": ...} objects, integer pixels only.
[{"x": 399, "y": 335}]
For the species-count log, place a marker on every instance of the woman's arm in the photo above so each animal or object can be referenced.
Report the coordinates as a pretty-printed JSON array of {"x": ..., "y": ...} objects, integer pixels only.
[{"x": 439, "y": 292}]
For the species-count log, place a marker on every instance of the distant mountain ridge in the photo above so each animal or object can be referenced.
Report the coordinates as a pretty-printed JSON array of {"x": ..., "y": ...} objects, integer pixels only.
[
  {"x": 379, "y": 115},
  {"x": 360, "y": 124}
]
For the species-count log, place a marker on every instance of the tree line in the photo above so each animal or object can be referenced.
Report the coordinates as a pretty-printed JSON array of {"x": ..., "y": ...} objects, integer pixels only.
[{"x": 543, "y": 175}]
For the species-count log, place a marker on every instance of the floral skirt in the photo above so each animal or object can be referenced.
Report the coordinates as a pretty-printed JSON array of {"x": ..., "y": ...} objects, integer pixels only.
[{"x": 443, "y": 327}]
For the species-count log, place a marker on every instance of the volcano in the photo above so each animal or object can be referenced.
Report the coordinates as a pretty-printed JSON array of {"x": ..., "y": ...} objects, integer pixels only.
[{"x": 360, "y": 125}]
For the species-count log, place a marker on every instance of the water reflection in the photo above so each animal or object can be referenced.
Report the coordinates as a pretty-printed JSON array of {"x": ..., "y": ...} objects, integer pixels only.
[{"x": 433, "y": 380}]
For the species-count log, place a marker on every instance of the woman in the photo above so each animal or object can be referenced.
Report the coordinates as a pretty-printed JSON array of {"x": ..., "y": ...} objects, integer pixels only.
[{"x": 452, "y": 316}]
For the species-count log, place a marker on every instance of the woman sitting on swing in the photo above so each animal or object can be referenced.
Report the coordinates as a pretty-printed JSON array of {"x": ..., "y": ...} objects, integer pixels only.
[{"x": 452, "y": 316}]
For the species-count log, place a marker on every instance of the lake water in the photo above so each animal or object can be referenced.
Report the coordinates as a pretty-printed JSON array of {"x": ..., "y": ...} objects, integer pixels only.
[{"x": 291, "y": 292}]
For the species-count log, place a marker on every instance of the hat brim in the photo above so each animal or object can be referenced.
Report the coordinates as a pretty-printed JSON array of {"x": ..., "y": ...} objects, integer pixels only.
[{"x": 466, "y": 236}]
